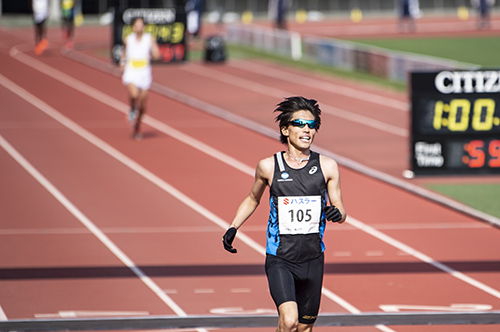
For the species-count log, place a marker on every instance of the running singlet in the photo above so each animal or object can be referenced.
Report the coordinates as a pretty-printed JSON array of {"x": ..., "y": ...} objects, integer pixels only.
[
  {"x": 68, "y": 9},
  {"x": 296, "y": 219},
  {"x": 40, "y": 10},
  {"x": 138, "y": 65}
]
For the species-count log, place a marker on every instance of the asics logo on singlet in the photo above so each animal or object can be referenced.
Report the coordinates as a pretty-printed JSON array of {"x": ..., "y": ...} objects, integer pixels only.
[{"x": 313, "y": 170}]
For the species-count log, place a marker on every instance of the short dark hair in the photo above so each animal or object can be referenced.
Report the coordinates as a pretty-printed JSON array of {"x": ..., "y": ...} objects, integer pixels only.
[
  {"x": 294, "y": 104},
  {"x": 137, "y": 18}
]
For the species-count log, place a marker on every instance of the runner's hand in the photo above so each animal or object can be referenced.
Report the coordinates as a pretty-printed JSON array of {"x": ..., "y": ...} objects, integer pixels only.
[
  {"x": 228, "y": 239},
  {"x": 333, "y": 214}
]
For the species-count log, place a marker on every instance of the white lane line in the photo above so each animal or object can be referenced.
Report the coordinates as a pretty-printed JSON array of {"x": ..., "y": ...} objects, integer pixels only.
[
  {"x": 204, "y": 291},
  {"x": 320, "y": 84},
  {"x": 240, "y": 290},
  {"x": 273, "y": 92},
  {"x": 3, "y": 316},
  {"x": 88, "y": 223},
  {"x": 419, "y": 255},
  {"x": 123, "y": 108},
  {"x": 92, "y": 314}
]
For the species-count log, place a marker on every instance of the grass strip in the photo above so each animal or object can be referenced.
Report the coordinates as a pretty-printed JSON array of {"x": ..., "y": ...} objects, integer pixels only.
[{"x": 483, "y": 197}]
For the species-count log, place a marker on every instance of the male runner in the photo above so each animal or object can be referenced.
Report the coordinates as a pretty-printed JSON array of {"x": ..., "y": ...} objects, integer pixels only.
[
  {"x": 40, "y": 15},
  {"x": 68, "y": 22},
  {"x": 140, "y": 48},
  {"x": 301, "y": 183}
]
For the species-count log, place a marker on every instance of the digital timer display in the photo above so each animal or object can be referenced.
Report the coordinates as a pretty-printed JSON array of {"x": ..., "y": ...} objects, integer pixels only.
[
  {"x": 455, "y": 125},
  {"x": 459, "y": 115}
]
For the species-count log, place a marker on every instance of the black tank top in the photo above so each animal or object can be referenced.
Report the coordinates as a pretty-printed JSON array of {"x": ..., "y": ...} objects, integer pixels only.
[{"x": 296, "y": 220}]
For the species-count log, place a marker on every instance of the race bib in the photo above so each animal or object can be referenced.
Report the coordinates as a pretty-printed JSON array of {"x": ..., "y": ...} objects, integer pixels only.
[
  {"x": 134, "y": 63},
  {"x": 299, "y": 214}
]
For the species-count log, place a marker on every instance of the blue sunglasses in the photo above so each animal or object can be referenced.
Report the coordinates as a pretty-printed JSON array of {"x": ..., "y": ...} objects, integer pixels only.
[{"x": 301, "y": 123}]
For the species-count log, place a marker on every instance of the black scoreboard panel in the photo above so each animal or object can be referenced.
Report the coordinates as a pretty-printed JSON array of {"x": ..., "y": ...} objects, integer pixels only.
[
  {"x": 167, "y": 25},
  {"x": 455, "y": 122}
]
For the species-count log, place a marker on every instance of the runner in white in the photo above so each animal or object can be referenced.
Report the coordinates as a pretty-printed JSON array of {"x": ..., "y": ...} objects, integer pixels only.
[
  {"x": 40, "y": 15},
  {"x": 140, "y": 48}
]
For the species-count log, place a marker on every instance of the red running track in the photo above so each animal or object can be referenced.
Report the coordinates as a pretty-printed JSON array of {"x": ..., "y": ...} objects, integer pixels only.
[{"x": 96, "y": 224}]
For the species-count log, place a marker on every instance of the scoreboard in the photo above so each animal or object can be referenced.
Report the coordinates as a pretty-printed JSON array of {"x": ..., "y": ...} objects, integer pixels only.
[
  {"x": 167, "y": 25},
  {"x": 455, "y": 122}
]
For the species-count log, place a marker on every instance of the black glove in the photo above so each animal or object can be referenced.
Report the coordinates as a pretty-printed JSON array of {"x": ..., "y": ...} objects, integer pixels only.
[
  {"x": 228, "y": 239},
  {"x": 332, "y": 213}
]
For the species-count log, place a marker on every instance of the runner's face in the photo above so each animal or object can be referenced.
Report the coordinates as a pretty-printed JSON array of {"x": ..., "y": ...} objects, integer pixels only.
[
  {"x": 300, "y": 138},
  {"x": 138, "y": 26}
]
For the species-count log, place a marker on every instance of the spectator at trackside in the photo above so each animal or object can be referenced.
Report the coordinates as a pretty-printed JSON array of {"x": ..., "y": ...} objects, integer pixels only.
[
  {"x": 277, "y": 11},
  {"x": 408, "y": 10},
  {"x": 483, "y": 7}
]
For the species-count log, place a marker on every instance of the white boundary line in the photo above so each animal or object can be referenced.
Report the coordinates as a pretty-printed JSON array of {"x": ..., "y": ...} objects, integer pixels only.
[
  {"x": 88, "y": 224},
  {"x": 273, "y": 92},
  {"x": 3, "y": 316},
  {"x": 333, "y": 88},
  {"x": 122, "y": 107},
  {"x": 422, "y": 257}
]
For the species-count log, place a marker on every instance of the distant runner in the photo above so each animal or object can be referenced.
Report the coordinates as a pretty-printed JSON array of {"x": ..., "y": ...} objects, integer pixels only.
[{"x": 140, "y": 48}]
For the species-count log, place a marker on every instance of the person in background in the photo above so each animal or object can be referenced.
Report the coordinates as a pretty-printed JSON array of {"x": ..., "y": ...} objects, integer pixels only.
[
  {"x": 409, "y": 10},
  {"x": 139, "y": 49},
  {"x": 68, "y": 22},
  {"x": 40, "y": 15},
  {"x": 194, "y": 10},
  {"x": 278, "y": 10},
  {"x": 483, "y": 7},
  {"x": 301, "y": 184}
]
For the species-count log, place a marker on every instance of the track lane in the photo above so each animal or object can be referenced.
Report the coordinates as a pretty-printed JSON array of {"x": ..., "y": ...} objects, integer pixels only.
[
  {"x": 33, "y": 256},
  {"x": 264, "y": 209}
]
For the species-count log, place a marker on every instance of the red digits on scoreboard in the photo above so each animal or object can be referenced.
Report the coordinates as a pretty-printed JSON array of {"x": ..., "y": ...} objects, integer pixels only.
[
  {"x": 172, "y": 52},
  {"x": 476, "y": 153},
  {"x": 494, "y": 151}
]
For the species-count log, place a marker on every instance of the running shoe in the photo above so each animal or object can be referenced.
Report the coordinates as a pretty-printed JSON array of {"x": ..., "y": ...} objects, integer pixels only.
[
  {"x": 132, "y": 115},
  {"x": 38, "y": 49},
  {"x": 137, "y": 136},
  {"x": 44, "y": 43}
]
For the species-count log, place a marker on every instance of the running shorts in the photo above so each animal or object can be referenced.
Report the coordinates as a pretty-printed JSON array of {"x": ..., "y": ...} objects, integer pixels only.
[{"x": 297, "y": 282}]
